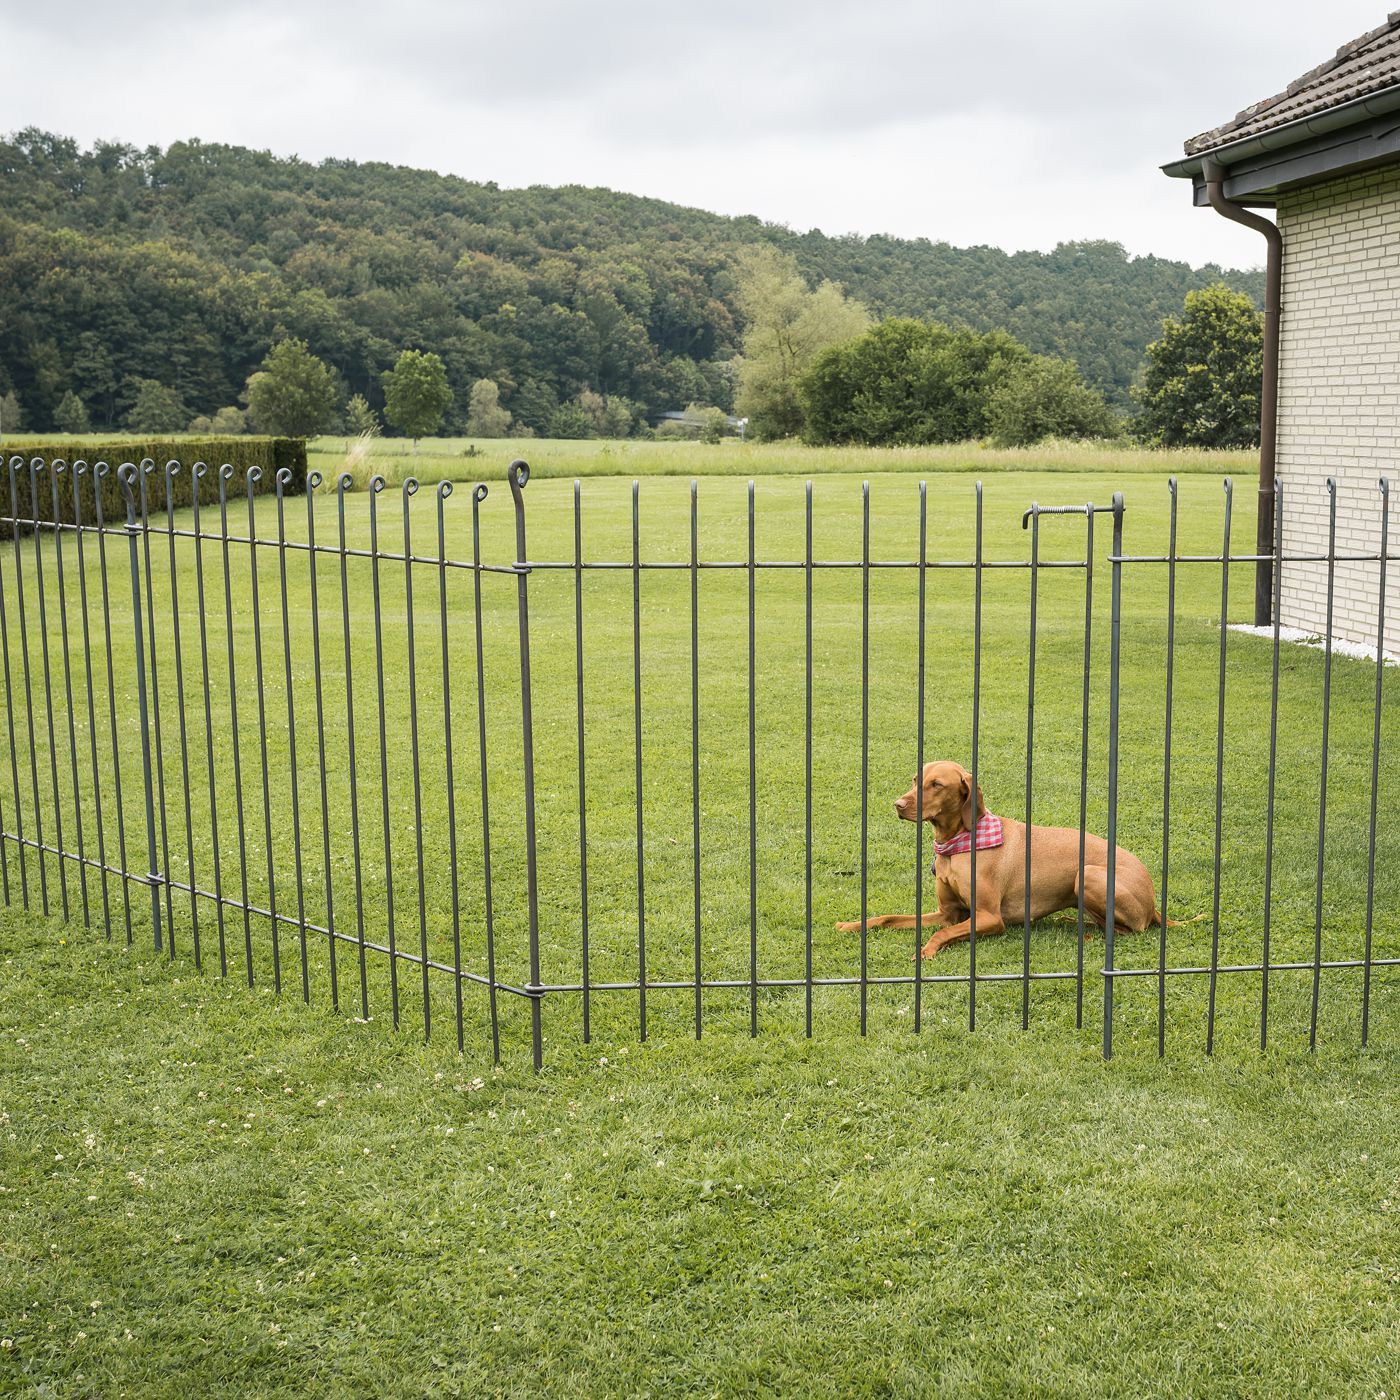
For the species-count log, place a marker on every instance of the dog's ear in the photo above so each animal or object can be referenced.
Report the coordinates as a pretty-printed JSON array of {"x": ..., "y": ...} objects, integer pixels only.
[{"x": 969, "y": 817}]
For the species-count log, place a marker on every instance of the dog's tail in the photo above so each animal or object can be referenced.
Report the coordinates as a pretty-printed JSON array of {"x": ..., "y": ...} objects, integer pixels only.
[{"x": 1156, "y": 920}]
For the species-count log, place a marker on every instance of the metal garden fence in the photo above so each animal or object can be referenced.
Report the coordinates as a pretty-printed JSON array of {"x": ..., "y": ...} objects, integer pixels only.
[{"x": 148, "y": 797}]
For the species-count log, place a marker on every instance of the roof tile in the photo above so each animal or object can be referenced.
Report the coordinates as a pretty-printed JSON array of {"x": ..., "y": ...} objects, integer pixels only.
[{"x": 1364, "y": 66}]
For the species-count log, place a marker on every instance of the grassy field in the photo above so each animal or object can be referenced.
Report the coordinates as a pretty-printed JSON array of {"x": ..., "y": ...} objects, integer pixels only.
[
  {"x": 210, "y": 1191},
  {"x": 436, "y": 458},
  {"x": 718, "y": 1224}
]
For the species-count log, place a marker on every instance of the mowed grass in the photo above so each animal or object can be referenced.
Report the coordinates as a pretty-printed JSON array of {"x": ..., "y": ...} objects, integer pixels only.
[
  {"x": 471, "y": 459},
  {"x": 209, "y": 1190},
  {"x": 282, "y": 1200}
]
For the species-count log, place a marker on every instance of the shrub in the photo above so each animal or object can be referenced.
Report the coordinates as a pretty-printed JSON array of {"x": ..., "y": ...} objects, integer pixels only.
[
  {"x": 1045, "y": 397},
  {"x": 570, "y": 421},
  {"x": 228, "y": 422},
  {"x": 906, "y": 382},
  {"x": 271, "y": 454}
]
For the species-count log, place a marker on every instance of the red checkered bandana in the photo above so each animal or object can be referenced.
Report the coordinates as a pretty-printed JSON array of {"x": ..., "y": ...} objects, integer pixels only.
[{"x": 988, "y": 835}]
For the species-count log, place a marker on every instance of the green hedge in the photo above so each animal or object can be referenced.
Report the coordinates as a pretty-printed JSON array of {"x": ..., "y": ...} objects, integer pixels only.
[{"x": 271, "y": 454}]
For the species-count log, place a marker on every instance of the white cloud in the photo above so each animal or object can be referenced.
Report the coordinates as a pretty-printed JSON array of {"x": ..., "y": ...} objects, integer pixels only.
[{"x": 1012, "y": 122}]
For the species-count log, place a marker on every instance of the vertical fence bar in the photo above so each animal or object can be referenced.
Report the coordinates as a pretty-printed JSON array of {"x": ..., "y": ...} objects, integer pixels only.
[
  {"x": 1219, "y": 769},
  {"x": 128, "y": 475},
  {"x": 1084, "y": 760},
  {"x": 410, "y": 489},
  {"x": 695, "y": 738},
  {"x": 753, "y": 792},
  {"x": 15, "y": 463},
  {"x": 1114, "y": 669},
  {"x": 1322, "y": 779},
  {"x": 1375, "y": 768},
  {"x": 313, "y": 482},
  {"x": 252, "y": 477},
  {"x": 976, "y": 743},
  {"x": 444, "y": 490},
  {"x": 10, "y": 718},
  {"x": 171, "y": 470},
  {"x": 479, "y": 495},
  {"x": 919, "y": 769},
  {"x": 519, "y": 476},
  {"x": 99, "y": 470},
  {"x": 198, "y": 472},
  {"x": 583, "y": 759},
  {"x": 376, "y": 488},
  {"x": 281, "y": 481},
  {"x": 1167, "y": 775},
  {"x": 864, "y": 753},
  {"x": 637, "y": 764},
  {"x": 57, "y": 468},
  {"x": 343, "y": 484},
  {"x": 80, "y": 469},
  {"x": 807, "y": 763},
  {"x": 1273, "y": 766},
  {"x": 1030, "y": 769},
  {"x": 225, "y": 476},
  {"x": 147, "y": 467},
  {"x": 36, "y": 465}
]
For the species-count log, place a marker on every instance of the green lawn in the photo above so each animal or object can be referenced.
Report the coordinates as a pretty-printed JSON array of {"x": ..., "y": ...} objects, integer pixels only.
[
  {"x": 1248, "y": 1252},
  {"x": 207, "y": 1190}
]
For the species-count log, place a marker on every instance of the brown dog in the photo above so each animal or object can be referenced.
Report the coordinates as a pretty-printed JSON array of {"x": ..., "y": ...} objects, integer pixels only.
[{"x": 1001, "y": 870}]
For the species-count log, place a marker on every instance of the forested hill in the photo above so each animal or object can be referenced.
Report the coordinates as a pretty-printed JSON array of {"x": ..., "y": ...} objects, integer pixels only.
[{"x": 185, "y": 265}]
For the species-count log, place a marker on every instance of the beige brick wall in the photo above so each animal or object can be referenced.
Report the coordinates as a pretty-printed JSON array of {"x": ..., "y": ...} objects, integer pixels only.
[{"x": 1339, "y": 394}]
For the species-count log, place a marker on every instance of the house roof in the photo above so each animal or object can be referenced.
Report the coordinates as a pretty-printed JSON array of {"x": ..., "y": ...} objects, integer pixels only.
[{"x": 1365, "y": 66}]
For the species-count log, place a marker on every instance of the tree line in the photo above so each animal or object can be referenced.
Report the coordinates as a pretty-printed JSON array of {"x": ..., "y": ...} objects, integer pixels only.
[{"x": 138, "y": 285}]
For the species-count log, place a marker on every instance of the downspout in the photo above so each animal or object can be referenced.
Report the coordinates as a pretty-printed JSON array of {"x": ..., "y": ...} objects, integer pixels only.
[{"x": 1214, "y": 175}]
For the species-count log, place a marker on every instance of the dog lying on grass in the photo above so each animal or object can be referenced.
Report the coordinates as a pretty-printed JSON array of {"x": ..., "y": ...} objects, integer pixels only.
[{"x": 1001, "y": 868}]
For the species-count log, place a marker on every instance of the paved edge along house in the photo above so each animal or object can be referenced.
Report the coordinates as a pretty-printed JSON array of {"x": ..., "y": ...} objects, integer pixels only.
[{"x": 1325, "y": 155}]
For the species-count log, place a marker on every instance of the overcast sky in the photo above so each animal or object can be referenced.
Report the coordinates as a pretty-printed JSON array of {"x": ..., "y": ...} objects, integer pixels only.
[{"x": 1007, "y": 122}]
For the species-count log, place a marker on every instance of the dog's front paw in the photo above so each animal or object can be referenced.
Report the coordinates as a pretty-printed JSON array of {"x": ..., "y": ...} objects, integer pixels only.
[{"x": 930, "y": 949}]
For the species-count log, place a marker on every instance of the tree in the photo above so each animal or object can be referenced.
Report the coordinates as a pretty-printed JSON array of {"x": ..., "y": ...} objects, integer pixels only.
[
  {"x": 156, "y": 409},
  {"x": 229, "y": 422},
  {"x": 71, "y": 415},
  {"x": 906, "y": 382},
  {"x": 711, "y": 423},
  {"x": 360, "y": 418},
  {"x": 1045, "y": 397},
  {"x": 1202, "y": 379},
  {"x": 788, "y": 327},
  {"x": 11, "y": 415},
  {"x": 485, "y": 416},
  {"x": 416, "y": 393},
  {"x": 570, "y": 421},
  {"x": 610, "y": 414},
  {"x": 293, "y": 394}
]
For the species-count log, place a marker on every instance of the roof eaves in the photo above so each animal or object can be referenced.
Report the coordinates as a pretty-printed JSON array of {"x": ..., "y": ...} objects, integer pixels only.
[{"x": 1373, "y": 104}]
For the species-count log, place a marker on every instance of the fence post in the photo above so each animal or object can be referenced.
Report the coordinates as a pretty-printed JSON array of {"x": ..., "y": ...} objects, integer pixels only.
[
  {"x": 518, "y": 474},
  {"x": 127, "y": 475},
  {"x": 1115, "y": 650}
]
